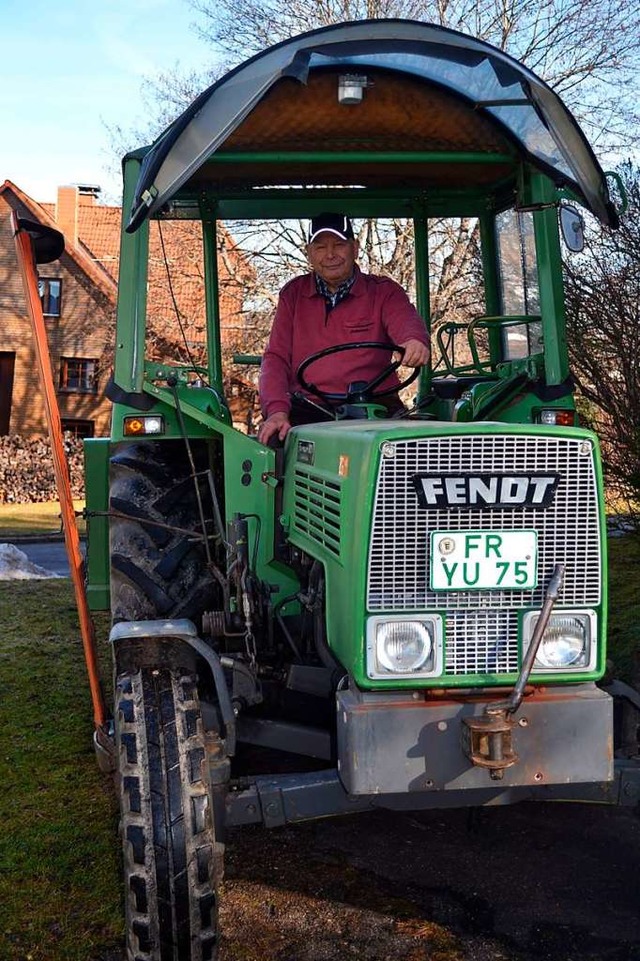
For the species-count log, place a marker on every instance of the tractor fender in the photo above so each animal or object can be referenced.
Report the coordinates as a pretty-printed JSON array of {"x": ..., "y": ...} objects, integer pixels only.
[{"x": 173, "y": 643}]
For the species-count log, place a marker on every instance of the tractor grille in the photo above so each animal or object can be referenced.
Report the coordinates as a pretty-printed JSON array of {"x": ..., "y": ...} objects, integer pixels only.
[
  {"x": 317, "y": 509},
  {"x": 481, "y": 628}
]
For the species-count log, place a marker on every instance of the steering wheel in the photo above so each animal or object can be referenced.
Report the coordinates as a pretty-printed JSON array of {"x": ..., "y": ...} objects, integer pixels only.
[{"x": 364, "y": 391}]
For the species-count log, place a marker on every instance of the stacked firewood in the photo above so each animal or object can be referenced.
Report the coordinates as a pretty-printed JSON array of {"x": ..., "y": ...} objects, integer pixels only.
[{"x": 26, "y": 469}]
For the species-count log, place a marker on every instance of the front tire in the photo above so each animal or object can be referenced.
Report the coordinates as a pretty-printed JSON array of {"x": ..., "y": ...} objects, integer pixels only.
[{"x": 172, "y": 863}]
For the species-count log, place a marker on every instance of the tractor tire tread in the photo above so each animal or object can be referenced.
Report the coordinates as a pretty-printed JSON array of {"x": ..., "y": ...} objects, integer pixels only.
[
  {"x": 157, "y": 571},
  {"x": 168, "y": 835}
]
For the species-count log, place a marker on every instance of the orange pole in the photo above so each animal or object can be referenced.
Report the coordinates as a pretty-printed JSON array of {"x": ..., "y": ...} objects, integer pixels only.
[{"x": 26, "y": 263}]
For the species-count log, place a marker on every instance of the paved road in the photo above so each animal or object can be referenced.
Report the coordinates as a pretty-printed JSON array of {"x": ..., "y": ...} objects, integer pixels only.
[{"x": 51, "y": 555}]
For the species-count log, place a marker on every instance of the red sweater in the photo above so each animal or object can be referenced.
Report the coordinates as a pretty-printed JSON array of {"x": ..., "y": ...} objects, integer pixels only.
[{"x": 376, "y": 308}]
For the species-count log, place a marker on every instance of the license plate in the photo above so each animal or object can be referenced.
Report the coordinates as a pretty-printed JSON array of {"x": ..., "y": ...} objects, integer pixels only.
[{"x": 484, "y": 560}]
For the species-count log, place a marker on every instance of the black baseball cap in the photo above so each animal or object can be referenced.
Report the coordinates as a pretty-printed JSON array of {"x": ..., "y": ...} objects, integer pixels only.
[{"x": 335, "y": 223}]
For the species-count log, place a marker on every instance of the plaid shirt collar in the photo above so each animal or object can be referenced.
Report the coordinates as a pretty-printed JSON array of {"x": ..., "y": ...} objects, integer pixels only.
[{"x": 333, "y": 298}]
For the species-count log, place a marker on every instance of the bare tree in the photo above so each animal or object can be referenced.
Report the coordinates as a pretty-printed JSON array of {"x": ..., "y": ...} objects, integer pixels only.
[
  {"x": 588, "y": 50},
  {"x": 585, "y": 49},
  {"x": 603, "y": 316}
]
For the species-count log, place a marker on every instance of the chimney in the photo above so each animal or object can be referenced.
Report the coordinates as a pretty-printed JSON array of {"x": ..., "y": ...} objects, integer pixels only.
[
  {"x": 88, "y": 194},
  {"x": 67, "y": 213}
]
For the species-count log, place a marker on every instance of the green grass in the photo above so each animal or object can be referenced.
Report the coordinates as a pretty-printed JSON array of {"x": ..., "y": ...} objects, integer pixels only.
[
  {"x": 20, "y": 519},
  {"x": 60, "y": 879},
  {"x": 60, "y": 890}
]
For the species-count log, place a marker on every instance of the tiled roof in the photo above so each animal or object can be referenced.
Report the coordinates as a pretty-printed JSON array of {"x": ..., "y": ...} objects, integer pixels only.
[
  {"x": 98, "y": 232},
  {"x": 175, "y": 267},
  {"x": 44, "y": 214}
]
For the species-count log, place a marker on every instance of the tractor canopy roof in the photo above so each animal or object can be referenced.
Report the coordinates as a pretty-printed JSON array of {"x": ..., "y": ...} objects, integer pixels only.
[{"x": 438, "y": 110}]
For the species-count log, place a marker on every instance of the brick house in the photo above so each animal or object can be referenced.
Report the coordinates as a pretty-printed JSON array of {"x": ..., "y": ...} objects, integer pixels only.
[
  {"x": 78, "y": 298},
  {"x": 79, "y": 294}
]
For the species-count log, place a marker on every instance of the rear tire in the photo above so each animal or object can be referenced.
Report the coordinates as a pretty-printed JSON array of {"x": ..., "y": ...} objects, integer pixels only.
[
  {"x": 172, "y": 863},
  {"x": 157, "y": 571}
]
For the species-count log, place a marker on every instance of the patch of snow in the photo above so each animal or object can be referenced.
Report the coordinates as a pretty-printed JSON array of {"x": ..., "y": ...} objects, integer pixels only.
[{"x": 16, "y": 566}]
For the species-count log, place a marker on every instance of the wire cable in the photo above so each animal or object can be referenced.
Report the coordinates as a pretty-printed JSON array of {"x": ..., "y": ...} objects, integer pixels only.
[{"x": 178, "y": 313}]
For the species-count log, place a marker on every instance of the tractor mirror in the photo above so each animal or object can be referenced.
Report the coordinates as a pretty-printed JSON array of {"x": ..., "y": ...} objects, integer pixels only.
[{"x": 572, "y": 228}]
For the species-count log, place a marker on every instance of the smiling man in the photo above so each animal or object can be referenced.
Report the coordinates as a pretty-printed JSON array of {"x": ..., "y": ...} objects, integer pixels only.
[{"x": 334, "y": 304}]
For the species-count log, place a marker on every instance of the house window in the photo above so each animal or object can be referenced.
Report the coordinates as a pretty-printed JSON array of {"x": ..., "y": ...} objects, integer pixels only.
[
  {"x": 79, "y": 428},
  {"x": 50, "y": 291},
  {"x": 78, "y": 375}
]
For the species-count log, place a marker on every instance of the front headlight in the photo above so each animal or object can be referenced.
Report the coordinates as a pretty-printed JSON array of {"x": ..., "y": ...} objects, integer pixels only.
[
  {"x": 404, "y": 646},
  {"x": 568, "y": 643}
]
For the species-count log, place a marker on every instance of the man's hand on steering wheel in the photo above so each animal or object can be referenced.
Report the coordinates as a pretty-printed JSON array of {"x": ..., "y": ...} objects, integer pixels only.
[
  {"x": 416, "y": 354},
  {"x": 413, "y": 353},
  {"x": 371, "y": 390}
]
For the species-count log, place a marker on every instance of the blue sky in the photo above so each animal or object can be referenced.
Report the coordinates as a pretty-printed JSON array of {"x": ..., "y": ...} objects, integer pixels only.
[{"x": 70, "y": 68}]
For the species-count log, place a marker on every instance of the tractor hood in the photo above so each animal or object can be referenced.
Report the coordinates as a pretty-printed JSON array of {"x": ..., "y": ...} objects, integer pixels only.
[{"x": 512, "y": 100}]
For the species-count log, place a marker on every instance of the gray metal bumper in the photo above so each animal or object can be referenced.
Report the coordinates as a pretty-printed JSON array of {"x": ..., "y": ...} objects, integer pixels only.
[{"x": 392, "y": 743}]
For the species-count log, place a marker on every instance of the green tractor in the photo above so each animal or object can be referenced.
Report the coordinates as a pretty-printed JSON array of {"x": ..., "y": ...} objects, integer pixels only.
[{"x": 414, "y": 607}]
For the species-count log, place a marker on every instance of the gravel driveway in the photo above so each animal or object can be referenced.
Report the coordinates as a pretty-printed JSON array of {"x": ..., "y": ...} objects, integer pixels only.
[{"x": 550, "y": 882}]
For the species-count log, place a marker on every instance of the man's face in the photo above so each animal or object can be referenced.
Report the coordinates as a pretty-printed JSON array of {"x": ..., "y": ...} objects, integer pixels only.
[{"x": 332, "y": 258}]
